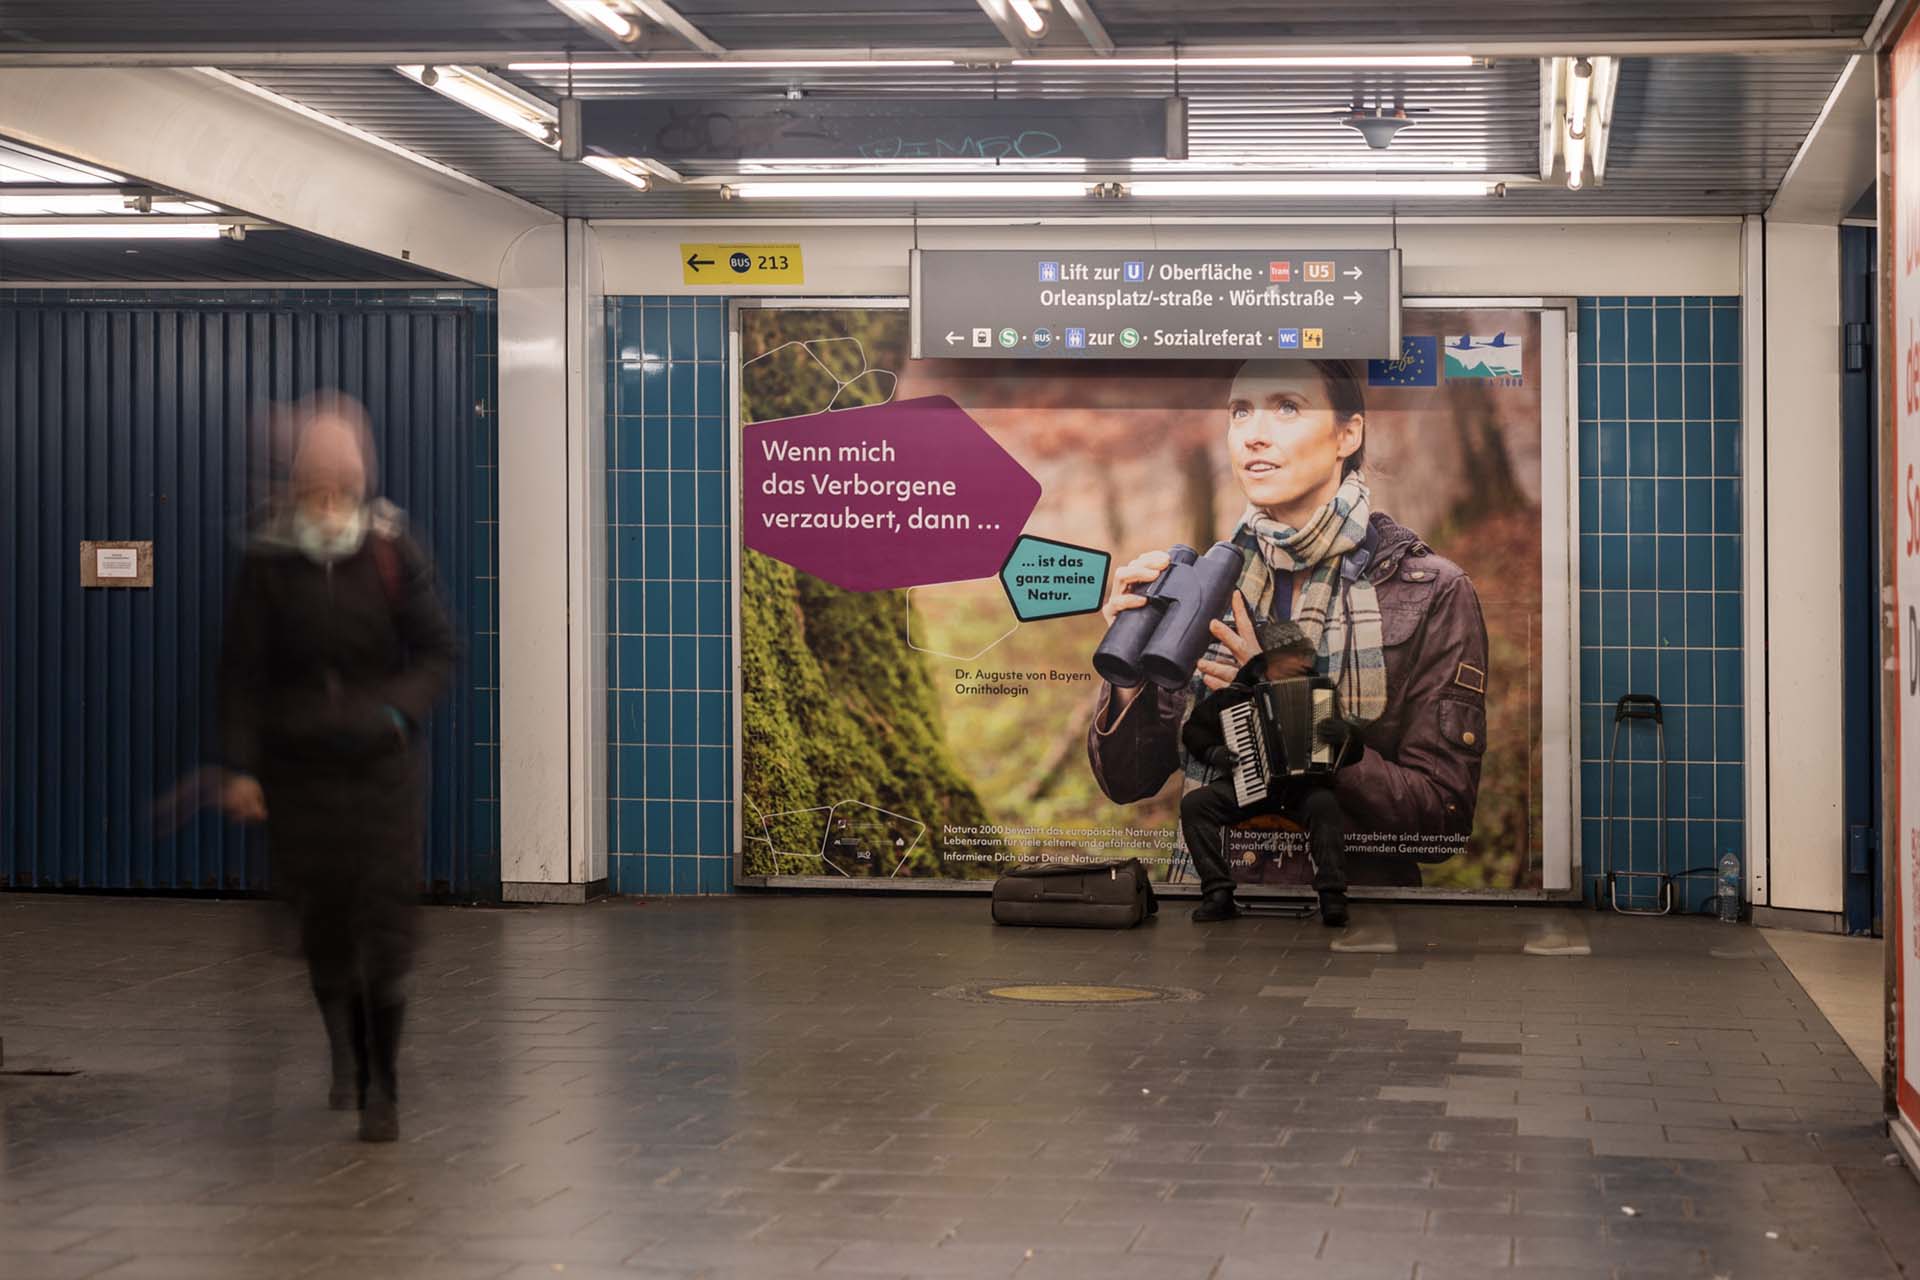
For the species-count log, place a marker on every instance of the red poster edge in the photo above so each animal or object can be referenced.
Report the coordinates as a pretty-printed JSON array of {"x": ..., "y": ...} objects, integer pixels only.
[{"x": 1902, "y": 48}]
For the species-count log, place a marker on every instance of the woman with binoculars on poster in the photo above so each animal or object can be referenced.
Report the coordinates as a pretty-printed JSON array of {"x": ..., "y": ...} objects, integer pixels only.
[{"x": 1396, "y": 628}]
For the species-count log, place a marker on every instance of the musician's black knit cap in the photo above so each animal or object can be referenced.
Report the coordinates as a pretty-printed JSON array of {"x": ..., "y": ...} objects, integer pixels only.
[{"x": 1281, "y": 635}]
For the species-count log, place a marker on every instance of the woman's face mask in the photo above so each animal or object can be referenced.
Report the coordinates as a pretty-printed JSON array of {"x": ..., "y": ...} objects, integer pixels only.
[{"x": 329, "y": 530}]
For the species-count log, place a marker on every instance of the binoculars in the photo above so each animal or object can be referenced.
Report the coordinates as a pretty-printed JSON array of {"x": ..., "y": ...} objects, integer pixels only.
[{"x": 1163, "y": 640}]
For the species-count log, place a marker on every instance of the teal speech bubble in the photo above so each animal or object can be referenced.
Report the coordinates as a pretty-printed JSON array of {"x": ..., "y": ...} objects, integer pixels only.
[{"x": 1048, "y": 579}]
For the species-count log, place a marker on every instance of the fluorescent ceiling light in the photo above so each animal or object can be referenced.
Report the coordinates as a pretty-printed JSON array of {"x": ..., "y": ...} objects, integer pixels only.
[
  {"x": 1336, "y": 61},
  {"x": 1150, "y": 188},
  {"x": 915, "y": 164},
  {"x": 491, "y": 97},
  {"x": 51, "y": 205},
  {"x": 129, "y": 230},
  {"x": 626, "y": 170},
  {"x": 1300, "y": 162},
  {"x": 1307, "y": 161},
  {"x": 1031, "y": 18},
  {"x": 602, "y": 14},
  {"x": 960, "y": 189},
  {"x": 1573, "y": 145},
  {"x": 1606, "y": 86},
  {"x": 1579, "y": 92},
  {"x": 737, "y": 64},
  {"x": 1147, "y": 188}
]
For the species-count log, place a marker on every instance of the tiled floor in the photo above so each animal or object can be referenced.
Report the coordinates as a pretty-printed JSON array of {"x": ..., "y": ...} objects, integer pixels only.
[
  {"x": 1847, "y": 978},
  {"x": 791, "y": 1086}
]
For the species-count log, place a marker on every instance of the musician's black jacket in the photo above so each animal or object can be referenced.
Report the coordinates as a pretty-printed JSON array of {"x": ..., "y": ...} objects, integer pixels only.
[{"x": 1203, "y": 735}]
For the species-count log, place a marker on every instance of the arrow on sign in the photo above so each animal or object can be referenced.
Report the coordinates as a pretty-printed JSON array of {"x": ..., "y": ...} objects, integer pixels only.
[
  {"x": 953, "y": 338},
  {"x": 1353, "y": 297},
  {"x": 695, "y": 261},
  {"x": 1355, "y": 273}
]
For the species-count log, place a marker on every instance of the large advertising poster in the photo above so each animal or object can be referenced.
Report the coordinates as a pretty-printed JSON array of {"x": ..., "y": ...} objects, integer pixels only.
[
  {"x": 934, "y": 550},
  {"x": 1905, "y": 538}
]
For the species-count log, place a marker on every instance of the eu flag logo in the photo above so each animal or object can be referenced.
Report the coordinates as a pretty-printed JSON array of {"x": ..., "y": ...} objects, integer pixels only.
[{"x": 1418, "y": 365}]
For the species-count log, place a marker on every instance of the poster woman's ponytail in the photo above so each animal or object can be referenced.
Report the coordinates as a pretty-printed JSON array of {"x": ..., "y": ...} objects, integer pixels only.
[{"x": 1346, "y": 393}]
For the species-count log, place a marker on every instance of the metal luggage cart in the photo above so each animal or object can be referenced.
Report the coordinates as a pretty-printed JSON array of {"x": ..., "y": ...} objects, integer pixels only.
[{"x": 1632, "y": 707}]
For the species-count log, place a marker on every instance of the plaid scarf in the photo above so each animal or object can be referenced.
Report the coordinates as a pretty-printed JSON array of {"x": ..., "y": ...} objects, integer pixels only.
[{"x": 1344, "y": 624}]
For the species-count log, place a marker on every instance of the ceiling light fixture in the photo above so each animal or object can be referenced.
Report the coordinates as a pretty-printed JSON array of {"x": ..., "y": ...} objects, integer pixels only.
[
  {"x": 739, "y": 64},
  {"x": 1145, "y": 188},
  {"x": 622, "y": 168},
  {"x": 104, "y": 204},
  {"x": 1431, "y": 61},
  {"x": 1606, "y": 87},
  {"x": 949, "y": 165},
  {"x": 1579, "y": 99},
  {"x": 498, "y": 100},
  {"x": 1576, "y": 118},
  {"x": 1030, "y": 17},
  {"x": 602, "y": 14},
  {"x": 963, "y": 189},
  {"x": 1180, "y": 188},
  {"x": 125, "y": 230}
]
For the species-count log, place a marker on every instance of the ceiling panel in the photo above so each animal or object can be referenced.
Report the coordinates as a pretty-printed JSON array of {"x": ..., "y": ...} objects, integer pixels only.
[
  {"x": 1477, "y": 121},
  {"x": 823, "y": 24},
  {"x": 1457, "y": 21},
  {"x": 291, "y": 257},
  {"x": 364, "y": 24},
  {"x": 385, "y": 103},
  {"x": 1695, "y": 134},
  {"x": 21, "y": 163}
]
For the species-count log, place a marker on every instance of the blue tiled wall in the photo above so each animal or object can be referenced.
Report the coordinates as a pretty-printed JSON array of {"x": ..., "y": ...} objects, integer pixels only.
[
  {"x": 1660, "y": 598},
  {"x": 483, "y": 622},
  {"x": 670, "y": 665}
]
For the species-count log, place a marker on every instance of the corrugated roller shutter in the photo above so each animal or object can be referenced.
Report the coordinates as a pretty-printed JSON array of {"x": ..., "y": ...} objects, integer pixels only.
[{"x": 156, "y": 423}]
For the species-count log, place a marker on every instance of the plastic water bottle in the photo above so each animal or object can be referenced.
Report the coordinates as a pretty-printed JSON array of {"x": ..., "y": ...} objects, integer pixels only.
[{"x": 1729, "y": 900}]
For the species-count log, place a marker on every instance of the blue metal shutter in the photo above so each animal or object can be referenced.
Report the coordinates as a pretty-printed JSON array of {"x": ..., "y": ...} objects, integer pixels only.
[{"x": 151, "y": 422}]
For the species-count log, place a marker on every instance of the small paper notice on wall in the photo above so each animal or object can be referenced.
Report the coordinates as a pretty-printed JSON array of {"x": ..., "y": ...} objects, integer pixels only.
[{"x": 116, "y": 564}]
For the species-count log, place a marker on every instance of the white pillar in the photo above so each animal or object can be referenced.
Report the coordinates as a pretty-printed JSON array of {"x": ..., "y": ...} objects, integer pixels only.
[
  {"x": 1800, "y": 651},
  {"x": 553, "y": 793}
]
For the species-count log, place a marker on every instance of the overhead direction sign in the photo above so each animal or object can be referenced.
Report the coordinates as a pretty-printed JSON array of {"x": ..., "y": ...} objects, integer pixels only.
[
  {"x": 671, "y": 129},
  {"x": 736, "y": 264},
  {"x": 1139, "y": 304}
]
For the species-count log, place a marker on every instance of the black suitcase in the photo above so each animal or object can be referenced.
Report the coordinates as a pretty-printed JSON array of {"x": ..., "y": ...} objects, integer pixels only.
[{"x": 1086, "y": 895}]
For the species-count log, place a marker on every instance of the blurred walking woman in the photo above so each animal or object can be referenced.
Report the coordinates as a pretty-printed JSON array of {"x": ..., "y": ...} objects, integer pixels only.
[
  {"x": 1397, "y": 627},
  {"x": 336, "y": 650}
]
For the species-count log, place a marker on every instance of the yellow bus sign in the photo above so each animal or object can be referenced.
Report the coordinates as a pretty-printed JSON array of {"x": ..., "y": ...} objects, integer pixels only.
[{"x": 737, "y": 264}]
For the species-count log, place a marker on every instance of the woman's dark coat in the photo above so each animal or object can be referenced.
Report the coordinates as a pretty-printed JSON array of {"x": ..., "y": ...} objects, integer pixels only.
[{"x": 317, "y": 662}]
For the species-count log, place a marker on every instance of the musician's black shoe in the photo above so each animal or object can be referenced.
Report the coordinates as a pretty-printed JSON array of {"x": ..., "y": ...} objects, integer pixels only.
[
  {"x": 1217, "y": 905},
  {"x": 1333, "y": 909}
]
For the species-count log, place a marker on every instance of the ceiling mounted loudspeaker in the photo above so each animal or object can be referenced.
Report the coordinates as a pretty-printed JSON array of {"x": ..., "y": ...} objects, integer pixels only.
[
  {"x": 1176, "y": 129},
  {"x": 1379, "y": 128}
]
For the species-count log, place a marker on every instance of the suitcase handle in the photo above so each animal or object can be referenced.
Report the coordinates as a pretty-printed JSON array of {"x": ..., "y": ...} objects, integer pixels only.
[{"x": 1637, "y": 706}]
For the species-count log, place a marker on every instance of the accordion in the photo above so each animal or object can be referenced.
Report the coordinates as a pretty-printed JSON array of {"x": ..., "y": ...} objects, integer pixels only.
[{"x": 1274, "y": 734}]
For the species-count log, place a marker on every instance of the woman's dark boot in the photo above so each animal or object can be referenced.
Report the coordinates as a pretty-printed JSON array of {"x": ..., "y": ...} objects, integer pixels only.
[
  {"x": 1218, "y": 904},
  {"x": 345, "y": 1018},
  {"x": 380, "y": 1120},
  {"x": 1333, "y": 909}
]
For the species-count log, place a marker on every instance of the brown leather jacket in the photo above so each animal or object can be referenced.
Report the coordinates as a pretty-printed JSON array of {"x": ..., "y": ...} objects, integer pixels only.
[{"x": 1420, "y": 771}]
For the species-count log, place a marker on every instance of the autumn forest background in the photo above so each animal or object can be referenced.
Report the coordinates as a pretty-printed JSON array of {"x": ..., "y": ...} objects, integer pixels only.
[{"x": 857, "y": 752}]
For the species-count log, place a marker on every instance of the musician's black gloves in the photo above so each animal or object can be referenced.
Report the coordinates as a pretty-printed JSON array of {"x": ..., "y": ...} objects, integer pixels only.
[
  {"x": 1341, "y": 736},
  {"x": 1222, "y": 758}
]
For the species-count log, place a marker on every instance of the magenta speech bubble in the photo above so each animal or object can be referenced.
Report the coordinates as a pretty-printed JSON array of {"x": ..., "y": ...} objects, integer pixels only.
[{"x": 885, "y": 496}]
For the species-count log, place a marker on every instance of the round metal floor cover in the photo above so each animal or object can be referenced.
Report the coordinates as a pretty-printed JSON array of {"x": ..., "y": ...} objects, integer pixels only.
[{"x": 1074, "y": 993}]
